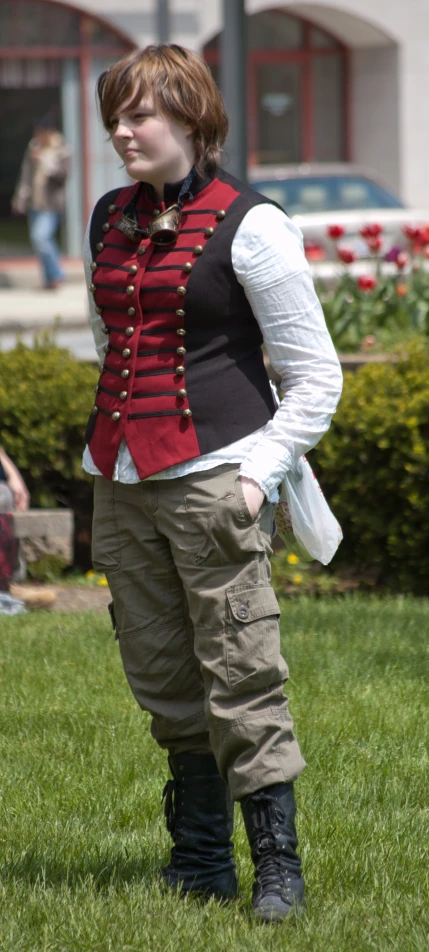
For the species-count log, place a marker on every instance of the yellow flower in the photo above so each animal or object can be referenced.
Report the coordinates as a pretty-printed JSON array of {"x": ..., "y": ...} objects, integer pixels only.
[
  {"x": 297, "y": 579},
  {"x": 292, "y": 559},
  {"x": 102, "y": 581},
  {"x": 90, "y": 574}
]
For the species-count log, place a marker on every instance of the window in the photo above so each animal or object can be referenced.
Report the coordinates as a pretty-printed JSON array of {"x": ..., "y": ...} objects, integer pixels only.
[{"x": 297, "y": 83}]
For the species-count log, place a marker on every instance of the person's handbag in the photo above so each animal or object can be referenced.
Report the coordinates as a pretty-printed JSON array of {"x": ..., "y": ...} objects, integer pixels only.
[{"x": 304, "y": 520}]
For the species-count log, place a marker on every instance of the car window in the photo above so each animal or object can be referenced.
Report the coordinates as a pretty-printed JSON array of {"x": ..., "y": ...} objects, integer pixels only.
[{"x": 326, "y": 193}]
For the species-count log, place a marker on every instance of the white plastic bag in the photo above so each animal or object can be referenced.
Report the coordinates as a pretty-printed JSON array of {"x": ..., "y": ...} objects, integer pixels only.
[{"x": 304, "y": 520}]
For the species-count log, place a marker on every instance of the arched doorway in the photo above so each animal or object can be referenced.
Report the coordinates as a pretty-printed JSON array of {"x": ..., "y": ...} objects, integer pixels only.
[
  {"x": 50, "y": 57},
  {"x": 297, "y": 80}
]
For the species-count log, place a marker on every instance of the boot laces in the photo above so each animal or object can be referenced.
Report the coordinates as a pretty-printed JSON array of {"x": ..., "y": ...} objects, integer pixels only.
[{"x": 271, "y": 862}]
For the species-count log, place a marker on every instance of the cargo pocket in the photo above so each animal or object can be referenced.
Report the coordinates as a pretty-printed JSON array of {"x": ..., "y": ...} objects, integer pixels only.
[{"x": 253, "y": 639}]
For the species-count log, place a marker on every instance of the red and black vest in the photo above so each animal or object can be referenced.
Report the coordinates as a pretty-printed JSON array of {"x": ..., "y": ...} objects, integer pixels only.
[{"x": 184, "y": 372}]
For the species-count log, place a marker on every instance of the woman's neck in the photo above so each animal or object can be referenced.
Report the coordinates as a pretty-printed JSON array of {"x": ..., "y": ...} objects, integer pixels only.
[{"x": 177, "y": 174}]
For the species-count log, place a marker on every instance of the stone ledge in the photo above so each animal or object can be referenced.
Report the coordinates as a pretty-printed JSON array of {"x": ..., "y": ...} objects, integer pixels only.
[{"x": 45, "y": 532}]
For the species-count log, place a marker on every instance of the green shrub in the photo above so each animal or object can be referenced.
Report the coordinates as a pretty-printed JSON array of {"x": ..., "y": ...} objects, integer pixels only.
[
  {"x": 45, "y": 399},
  {"x": 49, "y": 568},
  {"x": 291, "y": 577},
  {"x": 373, "y": 464},
  {"x": 374, "y": 467}
]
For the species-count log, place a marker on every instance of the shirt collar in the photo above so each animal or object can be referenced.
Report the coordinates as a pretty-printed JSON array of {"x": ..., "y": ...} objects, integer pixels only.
[{"x": 172, "y": 189}]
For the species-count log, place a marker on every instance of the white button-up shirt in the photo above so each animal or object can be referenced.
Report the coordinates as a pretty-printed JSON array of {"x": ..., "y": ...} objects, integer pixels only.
[{"x": 269, "y": 262}]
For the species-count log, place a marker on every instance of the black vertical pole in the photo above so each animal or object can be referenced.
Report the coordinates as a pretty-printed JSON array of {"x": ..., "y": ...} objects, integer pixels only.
[
  {"x": 162, "y": 21},
  {"x": 233, "y": 85}
]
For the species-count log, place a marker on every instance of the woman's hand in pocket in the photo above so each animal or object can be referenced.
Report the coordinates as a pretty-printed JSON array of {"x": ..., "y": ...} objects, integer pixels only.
[{"x": 253, "y": 495}]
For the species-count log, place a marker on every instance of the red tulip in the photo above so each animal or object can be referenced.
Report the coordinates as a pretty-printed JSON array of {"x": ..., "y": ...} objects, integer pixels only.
[
  {"x": 419, "y": 237},
  {"x": 402, "y": 259},
  {"x": 371, "y": 231},
  {"x": 313, "y": 251},
  {"x": 374, "y": 244},
  {"x": 410, "y": 232},
  {"x": 335, "y": 232},
  {"x": 346, "y": 255},
  {"x": 366, "y": 282},
  {"x": 422, "y": 236}
]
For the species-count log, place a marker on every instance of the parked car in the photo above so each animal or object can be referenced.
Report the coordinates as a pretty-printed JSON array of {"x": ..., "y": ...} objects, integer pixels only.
[{"x": 319, "y": 196}]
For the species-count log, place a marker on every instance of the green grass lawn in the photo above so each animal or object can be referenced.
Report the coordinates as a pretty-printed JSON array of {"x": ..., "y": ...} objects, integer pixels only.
[{"x": 81, "y": 828}]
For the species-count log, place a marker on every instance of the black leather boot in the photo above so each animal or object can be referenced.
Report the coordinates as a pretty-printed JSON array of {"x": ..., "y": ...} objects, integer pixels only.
[
  {"x": 200, "y": 817},
  {"x": 269, "y": 818}
]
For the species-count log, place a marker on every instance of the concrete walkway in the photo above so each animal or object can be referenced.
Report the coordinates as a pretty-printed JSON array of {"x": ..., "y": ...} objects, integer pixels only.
[{"x": 26, "y": 309}]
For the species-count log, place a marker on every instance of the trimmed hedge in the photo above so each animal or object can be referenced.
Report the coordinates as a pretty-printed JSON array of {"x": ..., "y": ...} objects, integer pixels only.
[
  {"x": 373, "y": 466},
  {"x": 45, "y": 399}
]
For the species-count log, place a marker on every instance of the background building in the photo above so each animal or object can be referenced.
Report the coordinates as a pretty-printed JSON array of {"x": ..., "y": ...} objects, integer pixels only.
[{"x": 336, "y": 80}]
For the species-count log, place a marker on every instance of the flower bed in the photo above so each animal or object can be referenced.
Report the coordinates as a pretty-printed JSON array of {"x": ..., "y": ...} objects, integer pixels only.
[{"x": 376, "y": 311}]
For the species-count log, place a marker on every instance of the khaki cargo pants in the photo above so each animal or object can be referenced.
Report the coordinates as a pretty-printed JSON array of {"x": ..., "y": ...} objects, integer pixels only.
[{"x": 197, "y": 620}]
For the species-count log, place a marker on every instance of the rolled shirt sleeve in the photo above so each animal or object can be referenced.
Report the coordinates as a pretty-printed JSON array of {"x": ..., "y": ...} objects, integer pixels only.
[{"x": 269, "y": 262}]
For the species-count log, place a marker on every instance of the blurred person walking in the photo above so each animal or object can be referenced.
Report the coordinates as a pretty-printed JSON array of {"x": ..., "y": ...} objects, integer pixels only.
[
  {"x": 40, "y": 193},
  {"x": 13, "y": 491},
  {"x": 14, "y": 495}
]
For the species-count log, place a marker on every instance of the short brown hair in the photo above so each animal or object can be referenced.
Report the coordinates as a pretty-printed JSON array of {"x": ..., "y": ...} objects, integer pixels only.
[{"x": 183, "y": 89}]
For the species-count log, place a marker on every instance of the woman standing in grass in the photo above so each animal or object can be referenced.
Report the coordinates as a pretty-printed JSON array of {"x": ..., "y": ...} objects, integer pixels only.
[{"x": 189, "y": 272}]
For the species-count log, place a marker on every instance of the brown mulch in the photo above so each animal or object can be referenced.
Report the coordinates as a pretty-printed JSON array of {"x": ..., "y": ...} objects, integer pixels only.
[{"x": 76, "y": 598}]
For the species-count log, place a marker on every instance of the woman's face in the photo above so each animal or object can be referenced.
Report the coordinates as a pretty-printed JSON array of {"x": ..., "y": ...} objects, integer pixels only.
[{"x": 154, "y": 148}]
